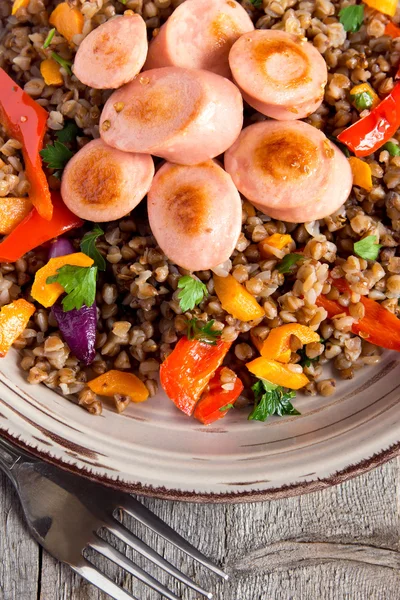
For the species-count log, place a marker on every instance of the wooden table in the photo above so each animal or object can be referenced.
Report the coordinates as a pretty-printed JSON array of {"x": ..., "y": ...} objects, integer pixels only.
[{"x": 340, "y": 543}]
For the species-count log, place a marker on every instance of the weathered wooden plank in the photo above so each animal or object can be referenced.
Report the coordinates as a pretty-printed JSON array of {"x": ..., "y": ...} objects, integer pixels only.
[
  {"x": 19, "y": 554},
  {"x": 340, "y": 543}
]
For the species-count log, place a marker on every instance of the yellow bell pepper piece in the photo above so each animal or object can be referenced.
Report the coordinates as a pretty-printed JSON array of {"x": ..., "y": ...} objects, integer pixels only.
[
  {"x": 277, "y": 373},
  {"x": 277, "y": 345},
  {"x": 50, "y": 71},
  {"x": 19, "y": 4},
  {"x": 12, "y": 211},
  {"x": 236, "y": 300},
  {"x": 276, "y": 240},
  {"x": 68, "y": 20},
  {"x": 387, "y": 7},
  {"x": 14, "y": 318},
  {"x": 362, "y": 174},
  {"x": 119, "y": 382},
  {"x": 48, "y": 293},
  {"x": 364, "y": 88}
]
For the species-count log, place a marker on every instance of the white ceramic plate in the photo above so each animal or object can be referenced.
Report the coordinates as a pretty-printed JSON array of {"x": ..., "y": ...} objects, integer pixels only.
[{"x": 153, "y": 449}]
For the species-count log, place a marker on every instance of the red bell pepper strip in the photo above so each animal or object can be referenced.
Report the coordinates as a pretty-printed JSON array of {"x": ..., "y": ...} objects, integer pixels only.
[
  {"x": 34, "y": 230},
  {"x": 25, "y": 120},
  {"x": 208, "y": 408},
  {"x": 185, "y": 373},
  {"x": 392, "y": 30},
  {"x": 378, "y": 326},
  {"x": 370, "y": 133}
]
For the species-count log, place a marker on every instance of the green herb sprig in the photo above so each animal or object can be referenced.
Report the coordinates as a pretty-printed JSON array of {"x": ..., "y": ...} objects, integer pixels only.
[
  {"x": 368, "y": 248},
  {"x": 192, "y": 292},
  {"x": 49, "y": 38},
  {"x": 352, "y": 17},
  {"x": 88, "y": 247},
  {"x": 205, "y": 334},
  {"x": 271, "y": 399},
  {"x": 289, "y": 261},
  {"x": 56, "y": 155},
  {"x": 79, "y": 284}
]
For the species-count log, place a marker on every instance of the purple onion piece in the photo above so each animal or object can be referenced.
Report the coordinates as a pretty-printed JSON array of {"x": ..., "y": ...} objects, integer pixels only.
[
  {"x": 78, "y": 328},
  {"x": 61, "y": 247}
]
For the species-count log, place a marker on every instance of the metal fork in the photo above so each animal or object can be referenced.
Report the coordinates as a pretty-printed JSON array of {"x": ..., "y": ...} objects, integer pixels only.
[{"x": 65, "y": 513}]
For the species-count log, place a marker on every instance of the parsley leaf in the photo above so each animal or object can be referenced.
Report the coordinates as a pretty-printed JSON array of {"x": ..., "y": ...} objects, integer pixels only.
[
  {"x": 49, "y": 38},
  {"x": 288, "y": 261},
  {"x": 69, "y": 133},
  {"x": 79, "y": 283},
  {"x": 192, "y": 292},
  {"x": 256, "y": 3},
  {"x": 56, "y": 156},
  {"x": 226, "y": 407},
  {"x": 362, "y": 101},
  {"x": 392, "y": 148},
  {"x": 88, "y": 246},
  {"x": 352, "y": 17},
  {"x": 306, "y": 361},
  {"x": 271, "y": 399},
  {"x": 66, "y": 64},
  {"x": 205, "y": 334},
  {"x": 367, "y": 248}
]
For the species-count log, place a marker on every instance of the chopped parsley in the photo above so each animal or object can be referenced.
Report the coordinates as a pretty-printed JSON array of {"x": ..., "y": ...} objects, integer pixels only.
[
  {"x": 56, "y": 155},
  {"x": 226, "y": 407},
  {"x": 49, "y": 38},
  {"x": 68, "y": 134},
  {"x": 362, "y": 101},
  {"x": 271, "y": 399},
  {"x": 352, "y": 17},
  {"x": 256, "y": 3},
  {"x": 205, "y": 334},
  {"x": 368, "y": 248},
  {"x": 288, "y": 261},
  {"x": 66, "y": 64},
  {"x": 88, "y": 246},
  {"x": 192, "y": 292},
  {"x": 79, "y": 284},
  {"x": 392, "y": 148}
]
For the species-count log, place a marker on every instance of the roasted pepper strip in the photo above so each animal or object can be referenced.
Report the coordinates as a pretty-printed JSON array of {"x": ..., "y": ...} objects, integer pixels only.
[
  {"x": 277, "y": 345},
  {"x": 387, "y": 7},
  {"x": 12, "y": 211},
  {"x": 392, "y": 30},
  {"x": 34, "y": 230},
  {"x": 119, "y": 382},
  {"x": 277, "y": 373},
  {"x": 25, "y": 120},
  {"x": 370, "y": 133},
  {"x": 14, "y": 318},
  {"x": 185, "y": 373},
  {"x": 362, "y": 174},
  {"x": 378, "y": 326},
  {"x": 276, "y": 240},
  {"x": 236, "y": 300},
  {"x": 208, "y": 408},
  {"x": 48, "y": 293}
]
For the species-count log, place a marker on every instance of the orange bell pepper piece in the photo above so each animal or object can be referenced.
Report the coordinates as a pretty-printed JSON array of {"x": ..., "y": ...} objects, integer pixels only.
[
  {"x": 276, "y": 240},
  {"x": 119, "y": 382},
  {"x": 208, "y": 409},
  {"x": 50, "y": 71},
  {"x": 12, "y": 211},
  {"x": 17, "y": 4},
  {"x": 48, "y": 293},
  {"x": 378, "y": 326},
  {"x": 277, "y": 373},
  {"x": 236, "y": 300},
  {"x": 362, "y": 174},
  {"x": 185, "y": 373},
  {"x": 14, "y": 318},
  {"x": 277, "y": 345},
  {"x": 68, "y": 20},
  {"x": 387, "y": 7}
]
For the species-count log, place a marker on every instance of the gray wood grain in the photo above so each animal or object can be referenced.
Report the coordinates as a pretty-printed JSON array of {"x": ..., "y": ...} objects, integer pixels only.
[{"x": 340, "y": 543}]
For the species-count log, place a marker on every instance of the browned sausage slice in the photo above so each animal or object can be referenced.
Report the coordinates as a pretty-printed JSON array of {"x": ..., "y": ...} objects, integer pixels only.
[
  {"x": 279, "y": 74},
  {"x": 195, "y": 214},
  {"x": 186, "y": 116},
  {"x": 199, "y": 35},
  {"x": 113, "y": 53},
  {"x": 101, "y": 183}
]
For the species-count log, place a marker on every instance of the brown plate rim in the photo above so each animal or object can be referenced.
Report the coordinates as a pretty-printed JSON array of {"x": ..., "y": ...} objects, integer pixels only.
[{"x": 286, "y": 491}]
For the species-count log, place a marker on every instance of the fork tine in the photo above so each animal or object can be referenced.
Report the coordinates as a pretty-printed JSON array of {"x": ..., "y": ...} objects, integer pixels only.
[
  {"x": 101, "y": 581},
  {"x": 122, "y": 561},
  {"x": 138, "y": 511},
  {"x": 134, "y": 542}
]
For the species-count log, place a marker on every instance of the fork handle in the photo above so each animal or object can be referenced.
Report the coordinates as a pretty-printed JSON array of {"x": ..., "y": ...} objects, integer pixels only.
[{"x": 9, "y": 456}]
